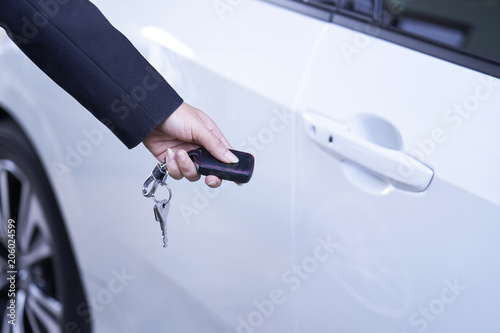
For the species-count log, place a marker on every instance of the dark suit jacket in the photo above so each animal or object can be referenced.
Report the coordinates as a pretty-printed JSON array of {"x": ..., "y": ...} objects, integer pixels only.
[{"x": 74, "y": 44}]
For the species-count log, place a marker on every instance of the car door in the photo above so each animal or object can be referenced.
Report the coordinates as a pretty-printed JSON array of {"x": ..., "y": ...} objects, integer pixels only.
[{"x": 396, "y": 168}]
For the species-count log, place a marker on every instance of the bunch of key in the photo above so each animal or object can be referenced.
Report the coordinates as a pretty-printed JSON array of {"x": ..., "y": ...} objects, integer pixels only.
[
  {"x": 205, "y": 164},
  {"x": 157, "y": 178}
]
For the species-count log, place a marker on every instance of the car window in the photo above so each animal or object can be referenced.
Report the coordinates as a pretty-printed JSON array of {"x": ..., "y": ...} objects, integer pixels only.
[
  {"x": 464, "y": 32},
  {"x": 470, "y": 25}
]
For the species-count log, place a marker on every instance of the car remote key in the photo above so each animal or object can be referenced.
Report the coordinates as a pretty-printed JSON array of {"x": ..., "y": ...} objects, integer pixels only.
[{"x": 206, "y": 164}]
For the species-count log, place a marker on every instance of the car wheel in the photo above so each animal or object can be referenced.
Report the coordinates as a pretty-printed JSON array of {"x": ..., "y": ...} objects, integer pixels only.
[{"x": 38, "y": 275}]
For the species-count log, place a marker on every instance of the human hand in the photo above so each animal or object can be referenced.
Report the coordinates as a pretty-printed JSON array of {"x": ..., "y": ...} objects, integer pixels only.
[{"x": 186, "y": 129}]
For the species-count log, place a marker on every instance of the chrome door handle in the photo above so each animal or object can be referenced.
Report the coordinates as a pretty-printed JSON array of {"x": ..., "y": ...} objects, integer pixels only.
[{"x": 396, "y": 167}]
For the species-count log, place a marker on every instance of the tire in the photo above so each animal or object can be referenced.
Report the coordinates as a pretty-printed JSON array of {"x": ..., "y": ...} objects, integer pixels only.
[{"x": 48, "y": 291}]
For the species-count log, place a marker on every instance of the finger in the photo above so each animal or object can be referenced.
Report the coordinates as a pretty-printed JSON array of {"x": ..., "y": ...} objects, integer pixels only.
[
  {"x": 221, "y": 137},
  {"x": 213, "y": 181},
  {"x": 162, "y": 157},
  {"x": 172, "y": 167},
  {"x": 215, "y": 146},
  {"x": 212, "y": 126},
  {"x": 186, "y": 166}
]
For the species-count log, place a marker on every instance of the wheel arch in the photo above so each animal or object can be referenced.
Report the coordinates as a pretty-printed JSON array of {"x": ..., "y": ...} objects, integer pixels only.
[{"x": 6, "y": 116}]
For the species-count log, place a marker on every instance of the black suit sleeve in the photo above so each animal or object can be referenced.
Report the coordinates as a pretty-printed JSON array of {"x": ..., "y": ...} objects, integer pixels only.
[{"x": 75, "y": 45}]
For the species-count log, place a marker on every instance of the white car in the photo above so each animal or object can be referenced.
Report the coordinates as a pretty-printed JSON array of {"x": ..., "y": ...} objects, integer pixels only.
[{"x": 375, "y": 201}]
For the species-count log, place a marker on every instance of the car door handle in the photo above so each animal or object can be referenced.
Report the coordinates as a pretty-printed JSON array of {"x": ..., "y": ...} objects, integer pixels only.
[{"x": 396, "y": 167}]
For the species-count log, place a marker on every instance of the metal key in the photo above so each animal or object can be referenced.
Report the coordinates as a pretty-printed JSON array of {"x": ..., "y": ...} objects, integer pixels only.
[{"x": 161, "y": 212}]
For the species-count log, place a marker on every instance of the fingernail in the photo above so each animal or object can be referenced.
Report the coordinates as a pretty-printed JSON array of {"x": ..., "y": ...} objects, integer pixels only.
[
  {"x": 170, "y": 154},
  {"x": 181, "y": 155},
  {"x": 212, "y": 183},
  {"x": 231, "y": 157}
]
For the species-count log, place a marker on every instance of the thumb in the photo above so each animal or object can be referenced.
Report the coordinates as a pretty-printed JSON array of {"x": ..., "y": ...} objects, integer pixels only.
[{"x": 215, "y": 146}]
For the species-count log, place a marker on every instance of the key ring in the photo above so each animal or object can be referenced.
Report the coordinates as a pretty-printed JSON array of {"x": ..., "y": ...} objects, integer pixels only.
[
  {"x": 158, "y": 177},
  {"x": 169, "y": 196}
]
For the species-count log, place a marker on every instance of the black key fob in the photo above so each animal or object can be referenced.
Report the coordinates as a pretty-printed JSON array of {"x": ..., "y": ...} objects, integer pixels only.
[{"x": 206, "y": 164}]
